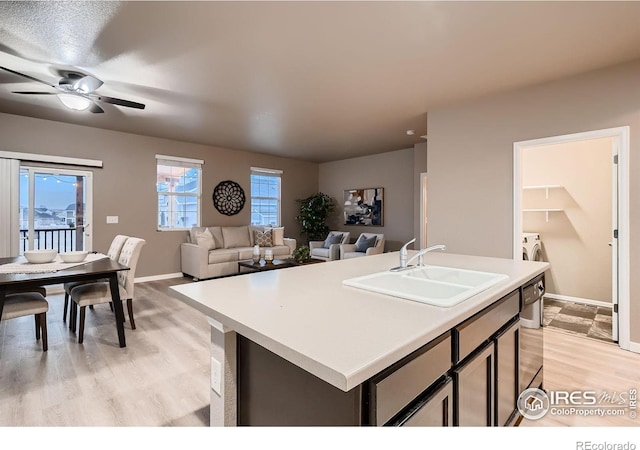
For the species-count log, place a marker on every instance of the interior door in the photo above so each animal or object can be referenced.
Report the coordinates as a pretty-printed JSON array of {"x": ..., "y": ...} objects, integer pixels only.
[
  {"x": 55, "y": 209},
  {"x": 614, "y": 243}
]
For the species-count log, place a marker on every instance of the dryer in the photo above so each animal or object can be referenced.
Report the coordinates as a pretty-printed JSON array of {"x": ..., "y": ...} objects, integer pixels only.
[{"x": 531, "y": 247}]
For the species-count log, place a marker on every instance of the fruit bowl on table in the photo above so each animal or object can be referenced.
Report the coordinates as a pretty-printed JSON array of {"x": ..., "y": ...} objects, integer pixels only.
[
  {"x": 40, "y": 256},
  {"x": 73, "y": 257}
]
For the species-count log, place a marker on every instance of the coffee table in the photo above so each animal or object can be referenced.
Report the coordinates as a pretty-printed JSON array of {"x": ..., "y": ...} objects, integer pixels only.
[{"x": 264, "y": 266}]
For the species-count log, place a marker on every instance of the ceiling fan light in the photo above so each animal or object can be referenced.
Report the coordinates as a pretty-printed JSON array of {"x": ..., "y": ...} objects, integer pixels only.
[{"x": 75, "y": 102}]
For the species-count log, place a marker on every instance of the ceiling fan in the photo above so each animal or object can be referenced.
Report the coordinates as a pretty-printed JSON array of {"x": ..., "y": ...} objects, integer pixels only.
[{"x": 77, "y": 91}]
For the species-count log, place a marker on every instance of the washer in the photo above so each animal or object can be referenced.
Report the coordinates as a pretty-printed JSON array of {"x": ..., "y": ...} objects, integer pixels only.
[{"x": 531, "y": 247}]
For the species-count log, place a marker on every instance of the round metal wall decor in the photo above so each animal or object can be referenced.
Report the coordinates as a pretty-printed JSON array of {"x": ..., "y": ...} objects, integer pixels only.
[{"x": 228, "y": 197}]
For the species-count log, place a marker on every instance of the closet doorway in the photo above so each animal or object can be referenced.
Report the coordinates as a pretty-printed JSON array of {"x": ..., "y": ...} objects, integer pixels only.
[{"x": 572, "y": 192}]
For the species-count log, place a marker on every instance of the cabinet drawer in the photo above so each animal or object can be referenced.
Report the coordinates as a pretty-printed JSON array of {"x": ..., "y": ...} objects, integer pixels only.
[
  {"x": 471, "y": 333},
  {"x": 434, "y": 411},
  {"x": 398, "y": 386}
]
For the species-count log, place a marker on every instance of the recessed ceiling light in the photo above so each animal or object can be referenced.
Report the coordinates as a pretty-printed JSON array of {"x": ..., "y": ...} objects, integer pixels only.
[{"x": 411, "y": 132}]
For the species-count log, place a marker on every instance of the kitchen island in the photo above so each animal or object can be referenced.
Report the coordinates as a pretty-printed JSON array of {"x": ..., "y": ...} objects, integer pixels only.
[{"x": 300, "y": 330}]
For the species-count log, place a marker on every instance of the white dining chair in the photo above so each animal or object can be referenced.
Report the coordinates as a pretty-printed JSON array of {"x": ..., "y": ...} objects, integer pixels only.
[
  {"x": 114, "y": 253},
  {"x": 28, "y": 303},
  {"x": 100, "y": 292}
]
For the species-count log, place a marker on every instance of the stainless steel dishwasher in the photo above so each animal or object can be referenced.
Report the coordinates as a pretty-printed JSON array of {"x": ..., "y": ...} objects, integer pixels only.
[{"x": 531, "y": 340}]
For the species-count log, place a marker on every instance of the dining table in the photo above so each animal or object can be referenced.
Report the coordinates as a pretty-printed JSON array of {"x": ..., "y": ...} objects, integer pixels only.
[{"x": 93, "y": 270}]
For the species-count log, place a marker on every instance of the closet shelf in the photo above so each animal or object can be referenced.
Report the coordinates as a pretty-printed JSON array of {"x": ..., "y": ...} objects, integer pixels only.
[
  {"x": 546, "y": 187},
  {"x": 544, "y": 210}
]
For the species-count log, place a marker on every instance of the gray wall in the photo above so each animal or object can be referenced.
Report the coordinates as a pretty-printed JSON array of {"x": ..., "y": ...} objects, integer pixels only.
[
  {"x": 471, "y": 157},
  {"x": 395, "y": 172},
  {"x": 125, "y": 186}
]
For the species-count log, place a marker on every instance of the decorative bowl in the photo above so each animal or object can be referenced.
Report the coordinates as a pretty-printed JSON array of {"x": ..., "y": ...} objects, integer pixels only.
[
  {"x": 40, "y": 256},
  {"x": 73, "y": 257}
]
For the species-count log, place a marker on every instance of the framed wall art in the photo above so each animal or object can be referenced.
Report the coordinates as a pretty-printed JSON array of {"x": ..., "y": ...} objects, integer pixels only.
[{"x": 364, "y": 207}]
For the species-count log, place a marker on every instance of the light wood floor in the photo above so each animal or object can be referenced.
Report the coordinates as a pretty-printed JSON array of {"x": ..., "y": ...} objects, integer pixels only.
[
  {"x": 573, "y": 362},
  {"x": 162, "y": 377}
]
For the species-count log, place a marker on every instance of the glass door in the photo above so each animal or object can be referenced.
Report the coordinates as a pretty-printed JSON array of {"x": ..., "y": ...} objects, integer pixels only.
[{"x": 55, "y": 209}]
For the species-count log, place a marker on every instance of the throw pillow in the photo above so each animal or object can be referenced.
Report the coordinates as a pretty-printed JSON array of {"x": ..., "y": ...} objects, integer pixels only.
[
  {"x": 236, "y": 237},
  {"x": 205, "y": 239},
  {"x": 364, "y": 243},
  {"x": 263, "y": 238},
  {"x": 332, "y": 239},
  {"x": 277, "y": 235}
]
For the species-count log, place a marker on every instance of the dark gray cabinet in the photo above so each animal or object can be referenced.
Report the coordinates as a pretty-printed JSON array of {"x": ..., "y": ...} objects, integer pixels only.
[
  {"x": 474, "y": 384},
  {"x": 507, "y": 350},
  {"x": 435, "y": 410}
]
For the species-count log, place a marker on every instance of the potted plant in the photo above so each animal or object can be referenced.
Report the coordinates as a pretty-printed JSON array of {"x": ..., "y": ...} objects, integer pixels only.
[
  {"x": 302, "y": 254},
  {"x": 313, "y": 214}
]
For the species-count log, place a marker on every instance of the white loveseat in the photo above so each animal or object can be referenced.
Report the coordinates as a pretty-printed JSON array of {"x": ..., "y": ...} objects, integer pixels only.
[{"x": 230, "y": 245}]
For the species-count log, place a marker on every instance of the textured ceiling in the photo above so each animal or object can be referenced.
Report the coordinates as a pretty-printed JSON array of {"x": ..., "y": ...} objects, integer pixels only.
[{"x": 312, "y": 80}]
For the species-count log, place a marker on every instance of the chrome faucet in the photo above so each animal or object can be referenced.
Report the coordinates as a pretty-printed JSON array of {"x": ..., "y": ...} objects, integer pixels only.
[
  {"x": 405, "y": 260},
  {"x": 421, "y": 253}
]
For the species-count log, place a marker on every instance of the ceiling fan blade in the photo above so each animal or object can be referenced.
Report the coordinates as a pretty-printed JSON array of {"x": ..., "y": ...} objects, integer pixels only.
[
  {"x": 120, "y": 102},
  {"x": 32, "y": 93},
  {"x": 87, "y": 84},
  {"x": 96, "y": 109},
  {"x": 27, "y": 76}
]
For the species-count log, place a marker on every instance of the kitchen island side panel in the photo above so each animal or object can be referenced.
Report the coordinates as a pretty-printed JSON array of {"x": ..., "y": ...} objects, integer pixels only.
[{"x": 274, "y": 392}]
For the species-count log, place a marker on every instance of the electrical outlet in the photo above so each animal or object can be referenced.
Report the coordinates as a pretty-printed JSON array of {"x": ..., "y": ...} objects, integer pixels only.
[
  {"x": 216, "y": 376},
  {"x": 112, "y": 219}
]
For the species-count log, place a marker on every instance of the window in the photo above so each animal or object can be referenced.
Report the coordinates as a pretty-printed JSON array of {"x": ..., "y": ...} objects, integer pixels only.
[
  {"x": 265, "y": 196},
  {"x": 179, "y": 189}
]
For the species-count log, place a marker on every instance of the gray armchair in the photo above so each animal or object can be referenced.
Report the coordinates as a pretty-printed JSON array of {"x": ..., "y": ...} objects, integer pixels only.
[
  {"x": 365, "y": 245},
  {"x": 329, "y": 249}
]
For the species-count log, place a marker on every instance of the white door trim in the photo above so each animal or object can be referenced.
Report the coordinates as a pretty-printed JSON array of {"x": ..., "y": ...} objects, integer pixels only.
[
  {"x": 423, "y": 210},
  {"x": 622, "y": 135}
]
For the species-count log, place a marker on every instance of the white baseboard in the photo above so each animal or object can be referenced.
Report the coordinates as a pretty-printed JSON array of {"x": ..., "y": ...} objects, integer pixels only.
[
  {"x": 584, "y": 301},
  {"x": 634, "y": 347},
  {"x": 165, "y": 276}
]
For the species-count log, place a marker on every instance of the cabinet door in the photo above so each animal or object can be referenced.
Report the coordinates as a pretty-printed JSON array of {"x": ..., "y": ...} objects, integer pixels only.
[
  {"x": 473, "y": 390},
  {"x": 435, "y": 411},
  {"x": 507, "y": 389}
]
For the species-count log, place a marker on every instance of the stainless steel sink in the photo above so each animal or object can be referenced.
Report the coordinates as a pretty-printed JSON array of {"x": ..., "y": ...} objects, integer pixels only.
[{"x": 433, "y": 285}]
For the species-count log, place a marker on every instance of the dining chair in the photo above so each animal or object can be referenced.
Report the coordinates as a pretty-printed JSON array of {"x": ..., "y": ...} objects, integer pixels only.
[
  {"x": 29, "y": 302},
  {"x": 99, "y": 292},
  {"x": 114, "y": 253}
]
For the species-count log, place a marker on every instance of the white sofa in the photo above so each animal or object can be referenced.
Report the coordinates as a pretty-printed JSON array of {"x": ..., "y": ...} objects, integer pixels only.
[{"x": 231, "y": 244}]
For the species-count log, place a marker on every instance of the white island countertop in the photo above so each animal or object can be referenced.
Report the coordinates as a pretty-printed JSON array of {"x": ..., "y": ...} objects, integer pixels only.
[{"x": 342, "y": 335}]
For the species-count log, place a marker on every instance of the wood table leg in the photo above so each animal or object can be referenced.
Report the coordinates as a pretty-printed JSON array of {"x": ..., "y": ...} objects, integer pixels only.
[{"x": 117, "y": 306}]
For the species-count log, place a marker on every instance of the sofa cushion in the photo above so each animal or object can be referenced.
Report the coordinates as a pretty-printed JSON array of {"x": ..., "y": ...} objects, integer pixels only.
[
  {"x": 192, "y": 234},
  {"x": 217, "y": 236},
  {"x": 333, "y": 238},
  {"x": 222, "y": 255},
  {"x": 205, "y": 239},
  {"x": 364, "y": 243},
  {"x": 236, "y": 237},
  {"x": 252, "y": 230},
  {"x": 277, "y": 235},
  {"x": 263, "y": 238}
]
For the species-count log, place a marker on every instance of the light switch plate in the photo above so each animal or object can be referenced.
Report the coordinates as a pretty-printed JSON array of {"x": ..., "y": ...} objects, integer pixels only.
[
  {"x": 216, "y": 375},
  {"x": 112, "y": 219}
]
